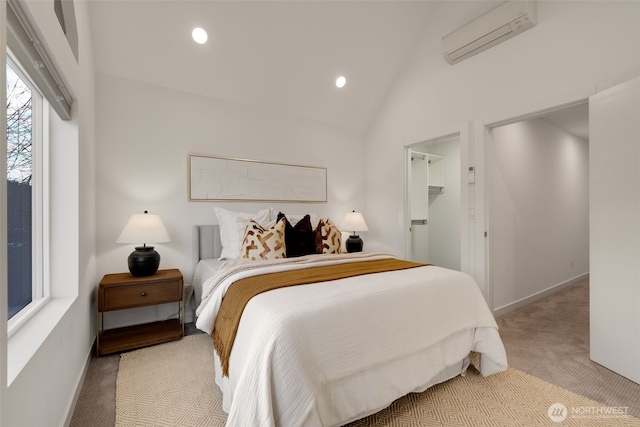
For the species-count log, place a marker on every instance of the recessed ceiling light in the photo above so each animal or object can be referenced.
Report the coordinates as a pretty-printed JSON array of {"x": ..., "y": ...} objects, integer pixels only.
[
  {"x": 341, "y": 81},
  {"x": 199, "y": 35}
]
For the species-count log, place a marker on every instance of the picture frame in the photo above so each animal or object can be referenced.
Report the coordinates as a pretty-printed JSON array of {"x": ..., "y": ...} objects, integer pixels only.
[{"x": 216, "y": 178}]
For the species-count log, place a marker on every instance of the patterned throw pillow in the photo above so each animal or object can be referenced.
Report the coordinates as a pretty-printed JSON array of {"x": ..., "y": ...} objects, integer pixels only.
[
  {"x": 328, "y": 238},
  {"x": 264, "y": 243}
]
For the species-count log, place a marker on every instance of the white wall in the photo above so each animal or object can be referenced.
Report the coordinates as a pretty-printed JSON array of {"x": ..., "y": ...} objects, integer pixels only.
[
  {"x": 575, "y": 46},
  {"x": 43, "y": 392},
  {"x": 144, "y": 134},
  {"x": 444, "y": 209},
  {"x": 539, "y": 199}
]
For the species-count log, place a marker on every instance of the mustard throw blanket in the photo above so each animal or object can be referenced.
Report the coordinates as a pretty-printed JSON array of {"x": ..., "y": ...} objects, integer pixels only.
[{"x": 239, "y": 294}]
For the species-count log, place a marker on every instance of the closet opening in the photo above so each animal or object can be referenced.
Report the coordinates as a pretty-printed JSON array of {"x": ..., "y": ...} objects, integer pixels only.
[{"x": 434, "y": 201}]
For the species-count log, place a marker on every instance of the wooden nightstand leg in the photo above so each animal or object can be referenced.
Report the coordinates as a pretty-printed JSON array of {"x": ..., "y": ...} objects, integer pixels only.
[{"x": 182, "y": 315}]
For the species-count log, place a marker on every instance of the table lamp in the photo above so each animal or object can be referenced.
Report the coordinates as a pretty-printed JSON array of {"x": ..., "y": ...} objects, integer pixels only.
[
  {"x": 144, "y": 228},
  {"x": 353, "y": 222}
]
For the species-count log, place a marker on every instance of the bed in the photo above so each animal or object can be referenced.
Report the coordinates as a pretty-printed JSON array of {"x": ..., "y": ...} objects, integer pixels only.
[{"x": 331, "y": 352}]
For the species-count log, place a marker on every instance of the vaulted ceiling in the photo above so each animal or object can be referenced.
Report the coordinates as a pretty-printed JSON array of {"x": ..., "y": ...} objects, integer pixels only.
[{"x": 282, "y": 56}]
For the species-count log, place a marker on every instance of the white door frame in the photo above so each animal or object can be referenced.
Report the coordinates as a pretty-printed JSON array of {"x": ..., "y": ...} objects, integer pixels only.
[{"x": 460, "y": 130}]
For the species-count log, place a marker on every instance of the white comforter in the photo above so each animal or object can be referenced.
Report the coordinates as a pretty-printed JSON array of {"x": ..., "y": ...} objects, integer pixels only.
[{"x": 329, "y": 353}]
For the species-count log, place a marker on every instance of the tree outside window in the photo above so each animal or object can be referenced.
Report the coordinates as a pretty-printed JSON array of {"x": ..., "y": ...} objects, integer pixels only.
[{"x": 19, "y": 192}]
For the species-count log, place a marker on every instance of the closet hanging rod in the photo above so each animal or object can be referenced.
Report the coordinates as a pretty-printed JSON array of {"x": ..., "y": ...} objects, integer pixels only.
[
  {"x": 420, "y": 153},
  {"x": 417, "y": 153}
]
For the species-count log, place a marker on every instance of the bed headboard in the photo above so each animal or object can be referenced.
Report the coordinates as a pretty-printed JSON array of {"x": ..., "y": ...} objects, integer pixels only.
[{"x": 206, "y": 242}]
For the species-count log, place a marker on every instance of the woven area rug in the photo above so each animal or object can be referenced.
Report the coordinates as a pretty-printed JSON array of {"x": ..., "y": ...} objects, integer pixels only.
[
  {"x": 173, "y": 385},
  {"x": 169, "y": 384}
]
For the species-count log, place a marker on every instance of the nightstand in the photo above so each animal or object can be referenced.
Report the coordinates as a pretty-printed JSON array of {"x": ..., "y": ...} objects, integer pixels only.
[{"x": 121, "y": 291}]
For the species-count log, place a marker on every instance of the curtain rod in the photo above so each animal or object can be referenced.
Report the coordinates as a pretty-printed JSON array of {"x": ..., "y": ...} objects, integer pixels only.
[{"x": 17, "y": 21}]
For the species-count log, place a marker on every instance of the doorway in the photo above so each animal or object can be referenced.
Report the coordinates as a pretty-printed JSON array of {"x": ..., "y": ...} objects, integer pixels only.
[
  {"x": 538, "y": 206},
  {"x": 434, "y": 201}
]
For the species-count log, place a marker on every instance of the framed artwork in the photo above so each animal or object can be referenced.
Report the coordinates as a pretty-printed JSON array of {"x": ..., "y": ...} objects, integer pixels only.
[{"x": 213, "y": 178}]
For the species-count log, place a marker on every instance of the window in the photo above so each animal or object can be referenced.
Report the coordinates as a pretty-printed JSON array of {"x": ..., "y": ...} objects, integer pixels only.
[
  {"x": 27, "y": 195},
  {"x": 38, "y": 109}
]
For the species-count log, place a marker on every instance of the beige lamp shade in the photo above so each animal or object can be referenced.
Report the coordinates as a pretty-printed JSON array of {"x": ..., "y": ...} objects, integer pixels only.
[
  {"x": 354, "y": 221},
  {"x": 144, "y": 228}
]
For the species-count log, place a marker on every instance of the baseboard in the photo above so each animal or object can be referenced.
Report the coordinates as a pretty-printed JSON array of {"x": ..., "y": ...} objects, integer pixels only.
[
  {"x": 538, "y": 296},
  {"x": 72, "y": 404}
]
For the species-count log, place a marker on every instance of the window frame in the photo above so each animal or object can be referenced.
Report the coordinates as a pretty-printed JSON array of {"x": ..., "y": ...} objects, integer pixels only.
[{"x": 40, "y": 216}]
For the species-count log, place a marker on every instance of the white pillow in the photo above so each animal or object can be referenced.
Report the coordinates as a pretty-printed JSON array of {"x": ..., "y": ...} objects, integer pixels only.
[{"x": 232, "y": 225}]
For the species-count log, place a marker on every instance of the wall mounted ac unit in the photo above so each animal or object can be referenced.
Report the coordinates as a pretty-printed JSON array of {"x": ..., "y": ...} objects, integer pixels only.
[{"x": 496, "y": 26}]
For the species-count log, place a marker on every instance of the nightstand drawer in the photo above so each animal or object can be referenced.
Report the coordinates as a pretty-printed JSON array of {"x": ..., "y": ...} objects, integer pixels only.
[{"x": 119, "y": 297}]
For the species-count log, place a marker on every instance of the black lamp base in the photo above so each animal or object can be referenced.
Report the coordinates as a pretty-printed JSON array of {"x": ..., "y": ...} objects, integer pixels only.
[
  {"x": 354, "y": 244},
  {"x": 144, "y": 261}
]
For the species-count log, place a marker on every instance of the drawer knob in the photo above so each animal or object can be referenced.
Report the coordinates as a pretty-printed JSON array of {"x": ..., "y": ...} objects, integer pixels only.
[{"x": 144, "y": 294}]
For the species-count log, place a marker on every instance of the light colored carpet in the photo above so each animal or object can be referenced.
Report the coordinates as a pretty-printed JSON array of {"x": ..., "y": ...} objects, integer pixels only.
[
  {"x": 549, "y": 339},
  {"x": 173, "y": 384}
]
